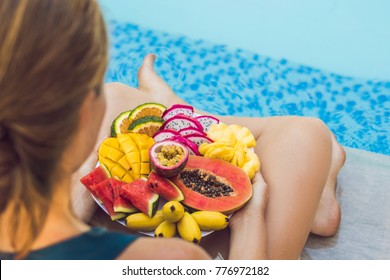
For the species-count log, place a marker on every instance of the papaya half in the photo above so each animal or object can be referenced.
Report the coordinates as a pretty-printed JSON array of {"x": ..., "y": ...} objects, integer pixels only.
[{"x": 213, "y": 184}]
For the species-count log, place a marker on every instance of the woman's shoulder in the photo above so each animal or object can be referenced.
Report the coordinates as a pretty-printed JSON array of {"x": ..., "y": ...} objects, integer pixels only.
[
  {"x": 148, "y": 248},
  {"x": 95, "y": 244}
]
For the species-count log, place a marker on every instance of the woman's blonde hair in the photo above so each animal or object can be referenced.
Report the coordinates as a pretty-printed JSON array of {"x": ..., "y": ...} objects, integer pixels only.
[{"x": 52, "y": 53}]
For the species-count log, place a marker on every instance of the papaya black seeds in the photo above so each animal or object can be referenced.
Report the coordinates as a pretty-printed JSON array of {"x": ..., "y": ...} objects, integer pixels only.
[{"x": 205, "y": 183}]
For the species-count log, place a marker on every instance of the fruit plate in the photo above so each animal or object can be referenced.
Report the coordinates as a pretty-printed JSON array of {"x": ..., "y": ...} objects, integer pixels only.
[{"x": 149, "y": 233}]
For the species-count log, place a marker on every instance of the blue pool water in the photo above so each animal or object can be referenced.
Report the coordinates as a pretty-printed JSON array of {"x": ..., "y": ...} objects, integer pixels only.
[{"x": 234, "y": 81}]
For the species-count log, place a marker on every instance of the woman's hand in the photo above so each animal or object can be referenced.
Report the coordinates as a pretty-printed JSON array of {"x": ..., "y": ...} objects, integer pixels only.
[
  {"x": 256, "y": 206},
  {"x": 248, "y": 228}
]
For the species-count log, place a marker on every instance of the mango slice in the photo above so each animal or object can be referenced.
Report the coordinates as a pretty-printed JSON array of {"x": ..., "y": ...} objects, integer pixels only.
[
  {"x": 127, "y": 156},
  {"x": 111, "y": 155},
  {"x": 136, "y": 148}
]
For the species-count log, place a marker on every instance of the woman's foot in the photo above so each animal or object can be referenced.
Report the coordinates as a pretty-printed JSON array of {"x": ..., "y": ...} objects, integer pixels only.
[
  {"x": 152, "y": 84},
  {"x": 328, "y": 215}
]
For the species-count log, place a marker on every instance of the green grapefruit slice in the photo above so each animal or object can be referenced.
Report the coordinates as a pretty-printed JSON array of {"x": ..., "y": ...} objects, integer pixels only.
[
  {"x": 147, "y": 109},
  {"x": 146, "y": 125},
  {"x": 120, "y": 124}
]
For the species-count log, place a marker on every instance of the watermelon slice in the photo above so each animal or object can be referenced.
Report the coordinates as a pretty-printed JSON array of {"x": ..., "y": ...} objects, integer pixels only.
[
  {"x": 164, "y": 187},
  {"x": 96, "y": 176},
  {"x": 121, "y": 204},
  {"x": 140, "y": 195},
  {"x": 104, "y": 192}
]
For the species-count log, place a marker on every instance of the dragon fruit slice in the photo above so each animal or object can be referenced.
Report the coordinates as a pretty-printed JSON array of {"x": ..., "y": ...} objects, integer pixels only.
[
  {"x": 192, "y": 148},
  {"x": 190, "y": 130},
  {"x": 207, "y": 121},
  {"x": 198, "y": 139},
  {"x": 181, "y": 121},
  {"x": 165, "y": 134},
  {"x": 178, "y": 109}
]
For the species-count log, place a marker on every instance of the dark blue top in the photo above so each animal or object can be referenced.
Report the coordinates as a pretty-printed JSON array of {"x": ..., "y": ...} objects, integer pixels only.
[{"x": 96, "y": 244}]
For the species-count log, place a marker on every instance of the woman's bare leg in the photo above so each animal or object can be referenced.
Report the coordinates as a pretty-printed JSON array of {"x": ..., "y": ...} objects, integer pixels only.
[
  {"x": 328, "y": 215},
  {"x": 296, "y": 156}
]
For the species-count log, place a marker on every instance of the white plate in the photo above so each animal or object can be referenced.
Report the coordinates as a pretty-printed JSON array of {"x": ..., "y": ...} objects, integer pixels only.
[{"x": 161, "y": 203}]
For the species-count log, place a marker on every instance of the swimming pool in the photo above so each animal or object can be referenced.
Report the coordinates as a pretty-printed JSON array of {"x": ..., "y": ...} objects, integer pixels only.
[{"x": 226, "y": 79}]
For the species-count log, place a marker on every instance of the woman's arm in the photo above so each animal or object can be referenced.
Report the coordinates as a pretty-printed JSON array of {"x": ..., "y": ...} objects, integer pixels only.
[
  {"x": 148, "y": 248},
  {"x": 248, "y": 237}
]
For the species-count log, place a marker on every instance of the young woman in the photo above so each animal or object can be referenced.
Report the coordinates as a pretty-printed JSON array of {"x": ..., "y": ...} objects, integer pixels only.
[{"x": 53, "y": 55}]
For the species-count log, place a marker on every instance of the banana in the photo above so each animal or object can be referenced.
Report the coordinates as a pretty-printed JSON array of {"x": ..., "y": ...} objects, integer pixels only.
[
  {"x": 165, "y": 229},
  {"x": 172, "y": 211},
  {"x": 210, "y": 220},
  {"x": 140, "y": 221},
  {"x": 188, "y": 228}
]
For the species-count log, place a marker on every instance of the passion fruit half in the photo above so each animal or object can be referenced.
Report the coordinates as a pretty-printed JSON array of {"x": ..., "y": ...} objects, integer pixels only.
[{"x": 168, "y": 158}]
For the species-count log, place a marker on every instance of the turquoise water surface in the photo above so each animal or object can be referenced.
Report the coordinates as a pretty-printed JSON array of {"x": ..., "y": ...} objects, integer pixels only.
[{"x": 225, "y": 79}]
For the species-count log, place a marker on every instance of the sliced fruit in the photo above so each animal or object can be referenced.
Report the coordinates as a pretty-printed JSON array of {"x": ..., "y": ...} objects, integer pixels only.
[
  {"x": 143, "y": 222},
  {"x": 231, "y": 143},
  {"x": 239, "y": 154},
  {"x": 225, "y": 153},
  {"x": 164, "y": 135},
  {"x": 180, "y": 122},
  {"x": 221, "y": 133},
  {"x": 113, "y": 157},
  {"x": 190, "y": 130},
  {"x": 243, "y": 135},
  {"x": 168, "y": 157},
  {"x": 164, "y": 187},
  {"x": 120, "y": 203},
  {"x": 147, "y": 109},
  {"x": 105, "y": 194},
  {"x": 192, "y": 148},
  {"x": 207, "y": 121},
  {"x": 146, "y": 125},
  {"x": 178, "y": 109},
  {"x": 251, "y": 164},
  {"x": 136, "y": 150},
  {"x": 172, "y": 211},
  {"x": 96, "y": 176},
  {"x": 120, "y": 124},
  {"x": 140, "y": 195},
  {"x": 198, "y": 139},
  {"x": 213, "y": 184}
]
